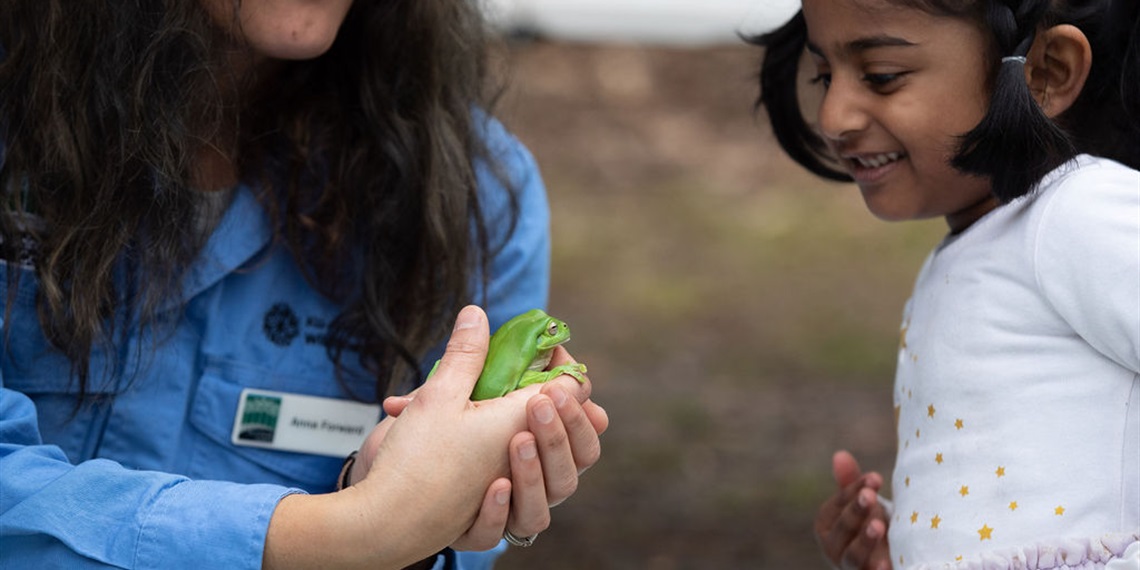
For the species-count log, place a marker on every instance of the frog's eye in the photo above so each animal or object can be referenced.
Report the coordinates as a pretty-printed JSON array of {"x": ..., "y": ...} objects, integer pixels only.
[{"x": 552, "y": 329}]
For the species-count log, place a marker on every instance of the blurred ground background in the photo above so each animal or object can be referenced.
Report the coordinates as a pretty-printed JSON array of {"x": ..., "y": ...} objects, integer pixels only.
[{"x": 739, "y": 317}]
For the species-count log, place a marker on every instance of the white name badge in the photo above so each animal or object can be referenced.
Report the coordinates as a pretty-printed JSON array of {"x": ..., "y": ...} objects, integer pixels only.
[{"x": 306, "y": 424}]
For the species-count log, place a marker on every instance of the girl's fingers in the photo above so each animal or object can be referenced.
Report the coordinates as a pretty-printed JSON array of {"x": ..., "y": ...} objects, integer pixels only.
[
  {"x": 832, "y": 509},
  {"x": 489, "y": 524},
  {"x": 844, "y": 468},
  {"x": 867, "y": 482},
  {"x": 843, "y": 541},
  {"x": 881, "y": 554},
  {"x": 529, "y": 513},
  {"x": 859, "y": 550}
]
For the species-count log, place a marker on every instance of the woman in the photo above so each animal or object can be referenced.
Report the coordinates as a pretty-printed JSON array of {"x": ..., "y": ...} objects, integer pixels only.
[{"x": 214, "y": 207}]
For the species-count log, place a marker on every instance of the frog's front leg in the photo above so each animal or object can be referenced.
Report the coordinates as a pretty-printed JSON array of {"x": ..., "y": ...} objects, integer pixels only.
[{"x": 576, "y": 370}]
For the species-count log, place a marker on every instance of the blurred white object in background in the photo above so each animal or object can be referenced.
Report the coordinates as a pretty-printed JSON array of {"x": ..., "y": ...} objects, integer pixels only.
[{"x": 639, "y": 21}]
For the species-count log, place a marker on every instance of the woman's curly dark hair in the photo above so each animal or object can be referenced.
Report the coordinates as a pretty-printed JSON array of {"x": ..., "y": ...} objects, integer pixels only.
[{"x": 363, "y": 157}]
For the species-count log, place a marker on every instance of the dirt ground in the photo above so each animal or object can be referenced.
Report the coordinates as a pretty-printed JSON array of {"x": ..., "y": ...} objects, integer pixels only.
[{"x": 739, "y": 317}]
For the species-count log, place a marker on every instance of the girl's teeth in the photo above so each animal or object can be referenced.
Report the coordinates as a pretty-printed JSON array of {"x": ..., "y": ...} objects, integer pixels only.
[{"x": 878, "y": 160}]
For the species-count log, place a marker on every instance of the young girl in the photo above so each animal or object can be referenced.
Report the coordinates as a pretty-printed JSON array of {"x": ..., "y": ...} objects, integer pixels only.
[
  {"x": 225, "y": 228},
  {"x": 1017, "y": 393}
]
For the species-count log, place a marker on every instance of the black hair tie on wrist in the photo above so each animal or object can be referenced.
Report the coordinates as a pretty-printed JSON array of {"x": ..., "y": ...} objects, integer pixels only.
[{"x": 342, "y": 481}]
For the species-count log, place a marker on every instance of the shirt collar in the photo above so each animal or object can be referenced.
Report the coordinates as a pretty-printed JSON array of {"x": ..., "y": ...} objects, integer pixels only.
[{"x": 243, "y": 232}]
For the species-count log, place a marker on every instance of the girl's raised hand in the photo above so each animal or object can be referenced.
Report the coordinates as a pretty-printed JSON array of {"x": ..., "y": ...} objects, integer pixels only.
[{"x": 851, "y": 526}]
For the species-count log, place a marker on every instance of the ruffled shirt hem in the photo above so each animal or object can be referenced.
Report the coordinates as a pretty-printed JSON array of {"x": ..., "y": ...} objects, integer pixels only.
[{"x": 1061, "y": 554}]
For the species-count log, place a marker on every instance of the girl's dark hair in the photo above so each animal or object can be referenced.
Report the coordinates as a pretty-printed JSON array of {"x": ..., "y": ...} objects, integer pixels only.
[
  {"x": 1015, "y": 144},
  {"x": 364, "y": 158}
]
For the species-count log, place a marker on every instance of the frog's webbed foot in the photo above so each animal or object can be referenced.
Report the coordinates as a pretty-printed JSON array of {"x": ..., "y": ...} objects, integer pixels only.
[{"x": 576, "y": 370}]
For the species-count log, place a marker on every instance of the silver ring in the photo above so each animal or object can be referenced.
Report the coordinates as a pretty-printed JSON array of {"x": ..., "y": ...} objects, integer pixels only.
[{"x": 523, "y": 541}]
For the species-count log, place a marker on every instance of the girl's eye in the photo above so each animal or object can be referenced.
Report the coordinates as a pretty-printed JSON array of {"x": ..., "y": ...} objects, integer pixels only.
[
  {"x": 875, "y": 80},
  {"x": 822, "y": 79},
  {"x": 881, "y": 79}
]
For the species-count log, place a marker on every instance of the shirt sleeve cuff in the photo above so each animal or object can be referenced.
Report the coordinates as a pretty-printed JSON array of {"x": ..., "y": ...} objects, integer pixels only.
[{"x": 208, "y": 524}]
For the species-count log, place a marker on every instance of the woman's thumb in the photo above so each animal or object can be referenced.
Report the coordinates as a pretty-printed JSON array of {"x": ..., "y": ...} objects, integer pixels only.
[{"x": 462, "y": 361}]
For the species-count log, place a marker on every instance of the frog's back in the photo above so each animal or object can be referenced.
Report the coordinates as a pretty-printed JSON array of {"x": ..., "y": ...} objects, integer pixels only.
[{"x": 507, "y": 357}]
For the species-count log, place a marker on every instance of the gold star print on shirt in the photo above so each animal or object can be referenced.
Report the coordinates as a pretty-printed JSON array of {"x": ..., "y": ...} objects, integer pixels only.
[{"x": 952, "y": 493}]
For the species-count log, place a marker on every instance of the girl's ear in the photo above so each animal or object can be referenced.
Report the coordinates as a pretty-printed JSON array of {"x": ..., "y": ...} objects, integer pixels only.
[{"x": 1057, "y": 66}]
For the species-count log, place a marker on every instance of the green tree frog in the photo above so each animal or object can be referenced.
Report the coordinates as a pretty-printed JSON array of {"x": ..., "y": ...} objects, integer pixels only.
[{"x": 519, "y": 353}]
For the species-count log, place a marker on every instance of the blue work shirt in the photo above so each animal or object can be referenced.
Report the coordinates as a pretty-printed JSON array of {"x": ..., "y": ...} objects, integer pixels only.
[{"x": 144, "y": 474}]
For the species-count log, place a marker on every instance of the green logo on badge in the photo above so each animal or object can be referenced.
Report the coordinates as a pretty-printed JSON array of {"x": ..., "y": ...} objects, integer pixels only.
[{"x": 259, "y": 418}]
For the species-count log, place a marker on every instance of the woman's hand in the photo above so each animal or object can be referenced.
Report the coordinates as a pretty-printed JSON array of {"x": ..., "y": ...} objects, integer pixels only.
[
  {"x": 851, "y": 526},
  {"x": 425, "y": 476},
  {"x": 546, "y": 461}
]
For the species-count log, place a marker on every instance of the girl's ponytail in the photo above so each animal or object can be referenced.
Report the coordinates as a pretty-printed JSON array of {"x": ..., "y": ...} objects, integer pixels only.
[{"x": 1015, "y": 145}]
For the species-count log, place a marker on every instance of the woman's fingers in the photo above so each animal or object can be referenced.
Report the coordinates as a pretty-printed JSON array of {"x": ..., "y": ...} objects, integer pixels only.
[
  {"x": 580, "y": 429},
  {"x": 462, "y": 361},
  {"x": 518, "y": 504},
  {"x": 489, "y": 524},
  {"x": 530, "y": 509},
  {"x": 559, "y": 470},
  {"x": 395, "y": 405}
]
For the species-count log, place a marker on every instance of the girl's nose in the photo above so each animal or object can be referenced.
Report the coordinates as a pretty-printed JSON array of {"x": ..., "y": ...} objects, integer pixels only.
[{"x": 841, "y": 112}]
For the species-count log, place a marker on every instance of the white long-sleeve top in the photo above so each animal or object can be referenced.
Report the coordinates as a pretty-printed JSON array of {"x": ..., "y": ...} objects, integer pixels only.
[{"x": 1017, "y": 393}]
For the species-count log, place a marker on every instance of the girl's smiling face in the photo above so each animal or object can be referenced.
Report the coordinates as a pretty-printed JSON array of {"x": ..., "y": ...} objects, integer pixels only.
[{"x": 900, "y": 86}]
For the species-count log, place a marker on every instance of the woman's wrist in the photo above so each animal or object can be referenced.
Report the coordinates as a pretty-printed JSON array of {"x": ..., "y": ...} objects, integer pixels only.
[{"x": 340, "y": 530}]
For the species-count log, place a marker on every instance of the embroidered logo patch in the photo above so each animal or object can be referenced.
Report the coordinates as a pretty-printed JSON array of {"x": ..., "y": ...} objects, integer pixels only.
[
  {"x": 259, "y": 418},
  {"x": 281, "y": 324}
]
